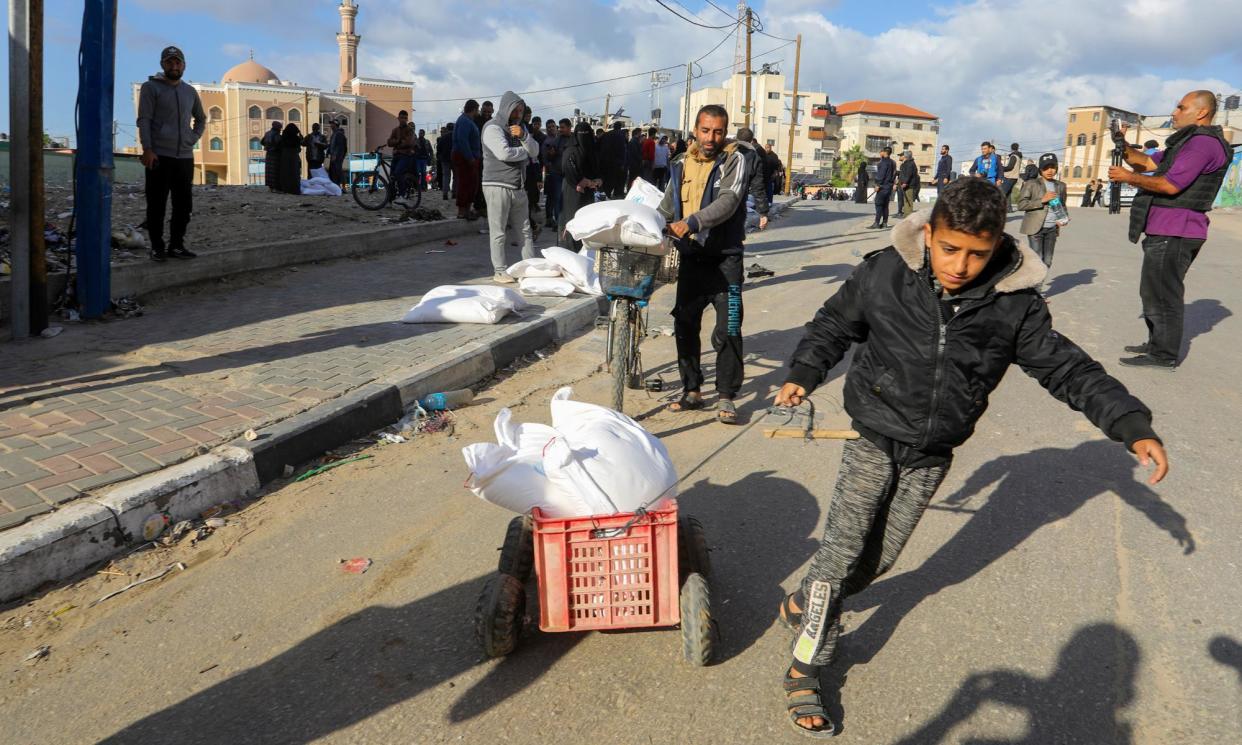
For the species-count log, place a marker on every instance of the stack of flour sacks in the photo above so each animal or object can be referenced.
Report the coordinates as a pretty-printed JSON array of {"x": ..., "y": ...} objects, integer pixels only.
[
  {"x": 560, "y": 273},
  {"x": 591, "y": 461}
]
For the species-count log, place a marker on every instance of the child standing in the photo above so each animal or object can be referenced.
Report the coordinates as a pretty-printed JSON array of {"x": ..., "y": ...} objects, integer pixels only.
[
  {"x": 938, "y": 316},
  {"x": 1039, "y": 199}
]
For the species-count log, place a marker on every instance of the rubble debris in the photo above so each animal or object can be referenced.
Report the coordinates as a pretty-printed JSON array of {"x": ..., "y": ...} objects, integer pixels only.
[
  {"x": 153, "y": 526},
  {"x": 38, "y": 654},
  {"x": 355, "y": 566},
  {"x": 159, "y": 575}
]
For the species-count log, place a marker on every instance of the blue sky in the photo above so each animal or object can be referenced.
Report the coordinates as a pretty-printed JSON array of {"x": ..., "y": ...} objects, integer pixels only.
[{"x": 1003, "y": 70}]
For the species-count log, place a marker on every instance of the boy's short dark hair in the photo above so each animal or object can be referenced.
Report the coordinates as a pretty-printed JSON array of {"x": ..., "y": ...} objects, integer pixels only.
[
  {"x": 886, "y": 151},
  {"x": 471, "y": 106},
  {"x": 985, "y": 143},
  {"x": 565, "y": 122},
  {"x": 971, "y": 205}
]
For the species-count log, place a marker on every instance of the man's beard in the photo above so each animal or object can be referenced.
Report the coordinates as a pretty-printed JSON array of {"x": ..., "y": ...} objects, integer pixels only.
[{"x": 174, "y": 75}]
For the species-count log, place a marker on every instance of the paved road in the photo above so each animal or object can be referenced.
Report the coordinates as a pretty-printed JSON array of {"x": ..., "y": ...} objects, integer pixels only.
[{"x": 1049, "y": 596}]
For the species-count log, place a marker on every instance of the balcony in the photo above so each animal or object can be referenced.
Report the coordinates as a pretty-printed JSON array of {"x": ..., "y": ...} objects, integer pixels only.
[{"x": 819, "y": 111}]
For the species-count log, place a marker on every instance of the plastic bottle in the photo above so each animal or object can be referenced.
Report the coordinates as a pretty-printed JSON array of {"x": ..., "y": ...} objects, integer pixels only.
[
  {"x": 446, "y": 400},
  {"x": 1058, "y": 211}
]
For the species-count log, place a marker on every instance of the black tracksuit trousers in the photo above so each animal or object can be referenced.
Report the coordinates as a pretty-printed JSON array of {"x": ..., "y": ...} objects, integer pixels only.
[{"x": 714, "y": 281}]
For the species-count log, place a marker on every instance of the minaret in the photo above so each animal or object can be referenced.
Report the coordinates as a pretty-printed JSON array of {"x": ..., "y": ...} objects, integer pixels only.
[{"x": 347, "y": 40}]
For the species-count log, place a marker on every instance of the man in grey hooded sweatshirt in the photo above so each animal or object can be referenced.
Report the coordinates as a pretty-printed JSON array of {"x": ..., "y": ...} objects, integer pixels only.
[
  {"x": 166, "y": 106},
  {"x": 507, "y": 147}
]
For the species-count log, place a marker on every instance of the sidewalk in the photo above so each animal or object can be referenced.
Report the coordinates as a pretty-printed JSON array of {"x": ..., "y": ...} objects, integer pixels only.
[{"x": 295, "y": 354}]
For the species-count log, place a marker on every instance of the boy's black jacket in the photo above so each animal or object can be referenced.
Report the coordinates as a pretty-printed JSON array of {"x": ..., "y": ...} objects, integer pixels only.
[{"x": 923, "y": 381}]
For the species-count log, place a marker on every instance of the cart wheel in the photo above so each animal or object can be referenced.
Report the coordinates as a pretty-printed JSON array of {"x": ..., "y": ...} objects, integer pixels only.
[
  {"x": 692, "y": 551},
  {"x": 698, "y": 630},
  {"x": 499, "y": 616},
  {"x": 517, "y": 555}
]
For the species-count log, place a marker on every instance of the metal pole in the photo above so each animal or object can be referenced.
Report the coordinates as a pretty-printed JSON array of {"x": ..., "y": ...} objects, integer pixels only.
[
  {"x": 793, "y": 117},
  {"x": 20, "y": 147},
  {"x": 93, "y": 166},
  {"x": 38, "y": 245},
  {"x": 607, "y": 103},
  {"x": 748, "y": 33}
]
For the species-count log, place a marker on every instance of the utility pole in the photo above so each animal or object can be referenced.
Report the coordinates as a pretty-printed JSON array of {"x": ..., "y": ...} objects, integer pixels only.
[
  {"x": 749, "y": 18},
  {"x": 607, "y": 103},
  {"x": 685, "y": 115},
  {"x": 793, "y": 117},
  {"x": 19, "y": 157}
]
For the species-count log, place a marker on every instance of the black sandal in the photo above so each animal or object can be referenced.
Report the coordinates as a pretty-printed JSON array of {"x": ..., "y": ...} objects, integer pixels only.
[
  {"x": 685, "y": 403},
  {"x": 726, "y": 411},
  {"x": 807, "y": 705},
  {"x": 791, "y": 618}
]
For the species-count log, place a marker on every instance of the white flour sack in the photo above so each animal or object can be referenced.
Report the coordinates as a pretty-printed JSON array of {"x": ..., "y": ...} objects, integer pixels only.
[
  {"x": 617, "y": 223},
  {"x": 599, "y": 463},
  {"x": 607, "y": 458},
  {"x": 465, "y": 304}
]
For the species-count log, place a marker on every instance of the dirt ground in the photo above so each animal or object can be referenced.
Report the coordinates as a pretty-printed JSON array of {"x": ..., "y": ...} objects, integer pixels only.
[{"x": 224, "y": 217}]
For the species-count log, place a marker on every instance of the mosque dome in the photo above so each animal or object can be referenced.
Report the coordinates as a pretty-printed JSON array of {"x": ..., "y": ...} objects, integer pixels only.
[{"x": 249, "y": 72}]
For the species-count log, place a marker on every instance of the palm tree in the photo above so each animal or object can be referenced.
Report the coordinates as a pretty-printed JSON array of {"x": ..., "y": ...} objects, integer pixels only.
[{"x": 850, "y": 162}]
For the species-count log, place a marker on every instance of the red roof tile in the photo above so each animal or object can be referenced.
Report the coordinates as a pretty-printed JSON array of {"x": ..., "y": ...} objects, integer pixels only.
[{"x": 867, "y": 106}]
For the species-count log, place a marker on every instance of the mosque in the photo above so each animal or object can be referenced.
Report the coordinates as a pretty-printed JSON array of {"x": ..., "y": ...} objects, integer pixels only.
[{"x": 249, "y": 97}]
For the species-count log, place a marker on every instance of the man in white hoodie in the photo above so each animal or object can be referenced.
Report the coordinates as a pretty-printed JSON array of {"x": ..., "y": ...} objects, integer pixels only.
[{"x": 507, "y": 147}]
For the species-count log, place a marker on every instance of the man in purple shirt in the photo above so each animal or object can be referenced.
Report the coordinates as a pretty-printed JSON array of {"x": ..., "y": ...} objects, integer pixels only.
[{"x": 1171, "y": 209}]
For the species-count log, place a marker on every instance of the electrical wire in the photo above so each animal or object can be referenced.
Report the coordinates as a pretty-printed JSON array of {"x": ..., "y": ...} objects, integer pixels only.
[
  {"x": 722, "y": 10},
  {"x": 688, "y": 20}
]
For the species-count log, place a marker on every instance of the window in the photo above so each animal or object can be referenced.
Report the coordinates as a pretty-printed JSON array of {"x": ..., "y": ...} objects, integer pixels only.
[
  {"x": 255, "y": 144},
  {"x": 924, "y": 169},
  {"x": 885, "y": 123},
  {"x": 1094, "y": 136},
  {"x": 907, "y": 145},
  {"x": 918, "y": 126},
  {"x": 774, "y": 96},
  {"x": 1065, "y": 172},
  {"x": 876, "y": 144},
  {"x": 255, "y": 112},
  {"x": 797, "y": 156},
  {"x": 215, "y": 114},
  {"x": 824, "y": 154},
  {"x": 1090, "y": 171},
  {"x": 771, "y": 120},
  {"x": 295, "y": 115},
  {"x": 196, "y": 145},
  {"x": 1082, "y": 139},
  {"x": 1073, "y": 117},
  {"x": 927, "y": 147},
  {"x": 935, "y": 128},
  {"x": 1069, "y": 140},
  {"x": 1077, "y": 171},
  {"x": 896, "y": 125},
  {"x": 1095, "y": 117},
  {"x": 772, "y": 143},
  {"x": 275, "y": 114},
  {"x": 216, "y": 143}
]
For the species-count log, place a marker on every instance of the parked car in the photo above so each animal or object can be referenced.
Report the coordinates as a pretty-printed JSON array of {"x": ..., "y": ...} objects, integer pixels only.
[{"x": 1127, "y": 194}]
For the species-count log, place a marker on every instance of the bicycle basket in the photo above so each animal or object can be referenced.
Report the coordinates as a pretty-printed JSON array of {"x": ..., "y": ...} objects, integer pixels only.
[{"x": 627, "y": 273}]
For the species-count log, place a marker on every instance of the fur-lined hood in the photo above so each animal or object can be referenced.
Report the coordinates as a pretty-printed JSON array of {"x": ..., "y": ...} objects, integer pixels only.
[{"x": 907, "y": 237}]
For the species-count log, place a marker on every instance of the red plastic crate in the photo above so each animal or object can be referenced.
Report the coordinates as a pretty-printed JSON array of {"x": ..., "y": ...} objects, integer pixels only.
[{"x": 593, "y": 581}]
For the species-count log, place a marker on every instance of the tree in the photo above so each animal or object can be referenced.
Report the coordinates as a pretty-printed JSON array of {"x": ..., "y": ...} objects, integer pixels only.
[{"x": 850, "y": 162}]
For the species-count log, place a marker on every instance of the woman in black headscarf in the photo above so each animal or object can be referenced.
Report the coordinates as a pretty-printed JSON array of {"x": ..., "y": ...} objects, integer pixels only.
[
  {"x": 580, "y": 169},
  {"x": 1088, "y": 193},
  {"x": 289, "y": 178},
  {"x": 861, "y": 179}
]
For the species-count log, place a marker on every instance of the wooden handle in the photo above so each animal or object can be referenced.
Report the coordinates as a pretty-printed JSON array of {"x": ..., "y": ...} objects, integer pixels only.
[{"x": 815, "y": 434}]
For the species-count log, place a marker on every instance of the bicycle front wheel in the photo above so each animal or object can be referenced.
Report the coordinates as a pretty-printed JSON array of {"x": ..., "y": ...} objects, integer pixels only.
[
  {"x": 622, "y": 334},
  {"x": 413, "y": 196},
  {"x": 370, "y": 190}
]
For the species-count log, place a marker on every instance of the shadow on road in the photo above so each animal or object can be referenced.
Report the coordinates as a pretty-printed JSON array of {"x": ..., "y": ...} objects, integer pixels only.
[
  {"x": 1227, "y": 652},
  {"x": 1028, "y": 496},
  {"x": 357, "y": 667},
  {"x": 1065, "y": 282},
  {"x": 1201, "y": 317},
  {"x": 1080, "y": 702}
]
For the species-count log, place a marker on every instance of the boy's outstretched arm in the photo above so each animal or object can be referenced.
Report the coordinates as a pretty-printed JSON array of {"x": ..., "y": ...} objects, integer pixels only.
[
  {"x": 837, "y": 325},
  {"x": 1072, "y": 376}
]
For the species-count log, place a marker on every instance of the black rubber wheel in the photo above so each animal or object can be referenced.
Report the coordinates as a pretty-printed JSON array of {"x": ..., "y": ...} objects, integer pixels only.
[
  {"x": 413, "y": 195},
  {"x": 621, "y": 331},
  {"x": 698, "y": 630},
  {"x": 693, "y": 555},
  {"x": 370, "y": 190},
  {"x": 517, "y": 555},
  {"x": 499, "y": 616}
]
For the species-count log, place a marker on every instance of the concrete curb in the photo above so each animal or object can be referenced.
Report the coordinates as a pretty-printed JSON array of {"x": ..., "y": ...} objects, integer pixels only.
[
  {"x": 143, "y": 278},
  {"x": 91, "y": 529}
]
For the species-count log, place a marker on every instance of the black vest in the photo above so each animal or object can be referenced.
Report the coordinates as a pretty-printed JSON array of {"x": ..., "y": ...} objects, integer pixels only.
[{"x": 1199, "y": 196}]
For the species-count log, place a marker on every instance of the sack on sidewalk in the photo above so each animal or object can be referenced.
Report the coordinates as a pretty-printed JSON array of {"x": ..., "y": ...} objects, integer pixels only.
[
  {"x": 578, "y": 268},
  {"x": 533, "y": 268},
  {"x": 465, "y": 304},
  {"x": 546, "y": 286}
]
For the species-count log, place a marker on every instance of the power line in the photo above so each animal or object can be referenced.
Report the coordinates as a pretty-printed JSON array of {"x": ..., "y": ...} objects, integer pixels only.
[
  {"x": 717, "y": 7},
  {"x": 662, "y": 4}
]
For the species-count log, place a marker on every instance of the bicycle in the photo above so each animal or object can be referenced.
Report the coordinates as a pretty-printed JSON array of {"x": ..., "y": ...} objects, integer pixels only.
[
  {"x": 374, "y": 190},
  {"x": 627, "y": 277}
]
